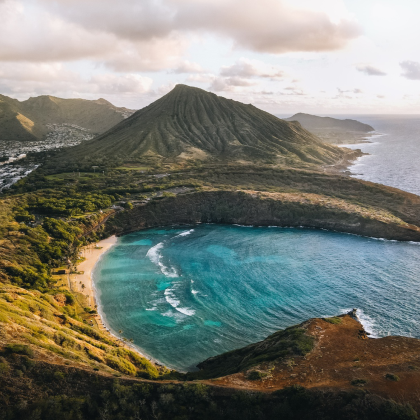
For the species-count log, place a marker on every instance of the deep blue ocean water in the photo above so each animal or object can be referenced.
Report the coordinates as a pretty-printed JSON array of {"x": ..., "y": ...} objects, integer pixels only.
[
  {"x": 185, "y": 294},
  {"x": 394, "y": 152}
]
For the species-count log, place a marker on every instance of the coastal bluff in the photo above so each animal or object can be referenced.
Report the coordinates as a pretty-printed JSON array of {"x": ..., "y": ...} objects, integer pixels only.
[
  {"x": 323, "y": 353},
  {"x": 267, "y": 209}
]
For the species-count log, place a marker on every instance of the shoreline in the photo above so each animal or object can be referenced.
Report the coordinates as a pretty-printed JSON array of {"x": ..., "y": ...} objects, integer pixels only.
[{"x": 83, "y": 283}]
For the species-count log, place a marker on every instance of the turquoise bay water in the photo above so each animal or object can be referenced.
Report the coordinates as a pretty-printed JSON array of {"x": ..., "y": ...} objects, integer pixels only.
[{"x": 185, "y": 294}]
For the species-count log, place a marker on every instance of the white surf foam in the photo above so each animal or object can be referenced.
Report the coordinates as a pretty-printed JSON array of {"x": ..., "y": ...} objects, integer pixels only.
[
  {"x": 175, "y": 302},
  {"x": 194, "y": 292},
  {"x": 170, "y": 298},
  {"x": 367, "y": 322},
  {"x": 186, "y": 311},
  {"x": 155, "y": 256},
  {"x": 187, "y": 232}
]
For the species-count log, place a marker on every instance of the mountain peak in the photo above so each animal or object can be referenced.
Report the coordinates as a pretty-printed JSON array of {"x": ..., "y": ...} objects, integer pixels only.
[{"x": 189, "y": 122}]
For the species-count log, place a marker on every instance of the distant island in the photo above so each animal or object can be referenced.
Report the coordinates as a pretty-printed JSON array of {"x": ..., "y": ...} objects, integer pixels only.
[{"x": 334, "y": 130}]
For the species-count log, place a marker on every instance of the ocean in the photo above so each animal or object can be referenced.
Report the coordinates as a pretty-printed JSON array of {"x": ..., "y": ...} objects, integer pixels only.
[
  {"x": 186, "y": 294},
  {"x": 394, "y": 151}
]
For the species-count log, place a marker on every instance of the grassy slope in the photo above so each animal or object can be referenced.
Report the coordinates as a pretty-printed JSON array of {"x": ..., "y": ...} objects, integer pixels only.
[
  {"x": 14, "y": 125},
  {"x": 192, "y": 122},
  {"x": 313, "y": 122},
  {"x": 283, "y": 344},
  {"x": 51, "y": 324},
  {"x": 26, "y": 120}
]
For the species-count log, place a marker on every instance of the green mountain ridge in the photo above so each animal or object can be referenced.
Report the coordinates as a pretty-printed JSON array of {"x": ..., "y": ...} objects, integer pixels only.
[
  {"x": 311, "y": 122},
  {"x": 334, "y": 130},
  {"x": 28, "y": 120},
  {"x": 192, "y": 123}
]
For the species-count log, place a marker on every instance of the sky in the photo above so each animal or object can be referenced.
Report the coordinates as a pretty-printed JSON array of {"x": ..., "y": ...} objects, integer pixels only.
[{"x": 285, "y": 56}]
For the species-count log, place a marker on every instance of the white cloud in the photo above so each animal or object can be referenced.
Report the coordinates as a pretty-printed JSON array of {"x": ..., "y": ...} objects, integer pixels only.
[
  {"x": 71, "y": 29},
  {"x": 252, "y": 68},
  {"x": 293, "y": 91},
  {"x": 23, "y": 80},
  {"x": 188, "y": 67},
  {"x": 370, "y": 70},
  {"x": 267, "y": 25},
  {"x": 241, "y": 75},
  {"x": 115, "y": 84},
  {"x": 38, "y": 36},
  {"x": 201, "y": 78},
  {"x": 235, "y": 84},
  {"x": 411, "y": 70}
]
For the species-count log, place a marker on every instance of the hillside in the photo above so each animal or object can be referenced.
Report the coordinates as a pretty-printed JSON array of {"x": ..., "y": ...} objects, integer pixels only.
[
  {"x": 56, "y": 361},
  {"x": 333, "y": 130},
  {"x": 31, "y": 120},
  {"x": 190, "y": 123},
  {"x": 322, "y": 353},
  {"x": 13, "y": 124}
]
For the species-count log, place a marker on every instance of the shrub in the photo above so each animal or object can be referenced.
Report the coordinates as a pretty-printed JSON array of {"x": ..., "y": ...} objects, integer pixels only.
[
  {"x": 122, "y": 365},
  {"x": 59, "y": 376},
  {"x": 392, "y": 377},
  {"x": 256, "y": 375},
  {"x": 334, "y": 320},
  {"x": 19, "y": 349},
  {"x": 359, "y": 382},
  {"x": 4, "y": 366}
]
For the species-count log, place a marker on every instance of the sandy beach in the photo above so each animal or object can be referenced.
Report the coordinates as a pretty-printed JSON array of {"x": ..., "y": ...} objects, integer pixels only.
[{"x": 83, "y": 283}]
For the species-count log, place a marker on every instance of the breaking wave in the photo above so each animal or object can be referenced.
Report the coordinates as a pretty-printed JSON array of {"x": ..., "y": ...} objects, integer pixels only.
[
  {"x": 175, "y": 302},
  {"x": 155, "y": 256}
]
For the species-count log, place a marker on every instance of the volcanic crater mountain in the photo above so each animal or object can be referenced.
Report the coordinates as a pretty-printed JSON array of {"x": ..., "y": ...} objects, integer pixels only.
[
  {"x": 192, "y": 123},
  {"x": 28, "y": 120}
]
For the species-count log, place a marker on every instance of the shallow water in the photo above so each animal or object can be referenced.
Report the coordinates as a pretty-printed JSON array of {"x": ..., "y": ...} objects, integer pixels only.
[{"x": 185, "y": 294}]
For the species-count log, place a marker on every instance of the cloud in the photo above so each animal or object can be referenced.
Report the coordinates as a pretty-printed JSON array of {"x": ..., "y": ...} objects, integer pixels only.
[
  {"x": 271, "y": 26},
  {"x": 188, "y": 67},
  {"x": 29, "y": 79},
  {"x": 116, "y": 84},
  {"x": 411, "y": 70},
  {"x": 242, "y": 74},
  {"x": 40, "y": 36},
  {"x": 123, "y": 34},
  {"x": 230, "y": 84},
  {"x": 201, "y": 78},
  {"x": 293, "y": 91},
  {"x": 251, "y": 68},
  {"x": 153, "y": 55},
  {"x": 370, "y": 70}
]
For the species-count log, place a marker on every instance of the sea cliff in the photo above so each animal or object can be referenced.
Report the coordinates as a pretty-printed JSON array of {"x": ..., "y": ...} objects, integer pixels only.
[{"x": 265, "y": 209}]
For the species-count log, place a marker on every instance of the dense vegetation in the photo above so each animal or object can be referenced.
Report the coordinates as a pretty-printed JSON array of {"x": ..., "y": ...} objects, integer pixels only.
[
  {"x": 68, "y": 394},
  {"x": 55, "y": 325},
  {"x": 281, "y": 345}
]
